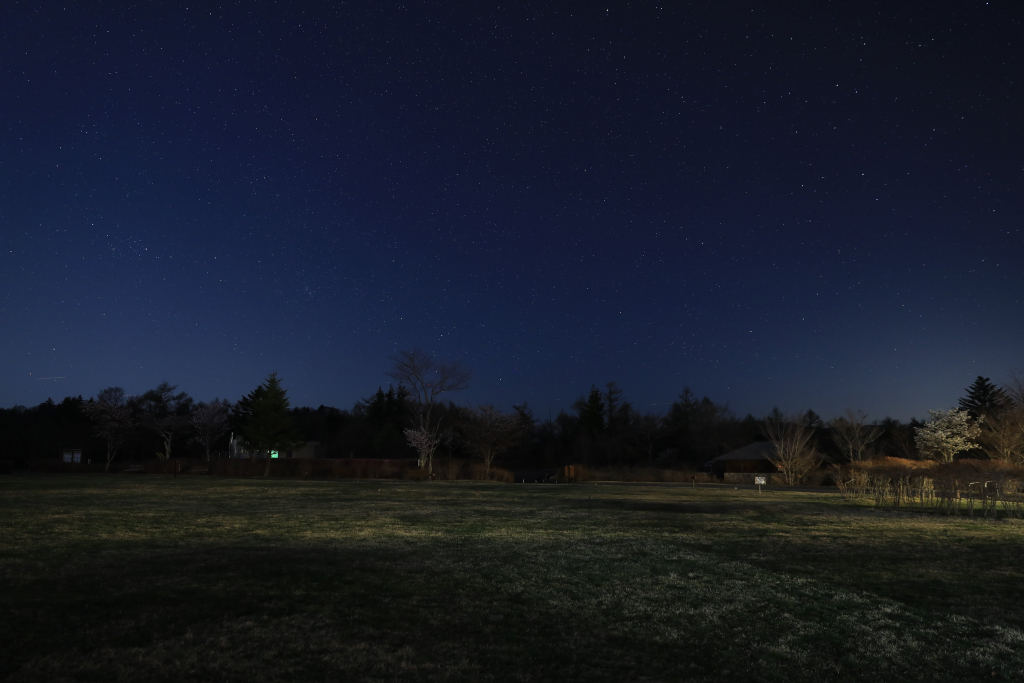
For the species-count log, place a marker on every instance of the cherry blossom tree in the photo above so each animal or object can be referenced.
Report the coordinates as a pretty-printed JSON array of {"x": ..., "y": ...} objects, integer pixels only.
[
  {"x": 426, "y": 379},
  {"x": 947, "y": 433},
  {"x": 425, "y": 442}
]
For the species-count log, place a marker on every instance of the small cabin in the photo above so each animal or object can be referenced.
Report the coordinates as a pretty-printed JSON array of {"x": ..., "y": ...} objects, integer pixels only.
[{"x": 752, "y": 458}]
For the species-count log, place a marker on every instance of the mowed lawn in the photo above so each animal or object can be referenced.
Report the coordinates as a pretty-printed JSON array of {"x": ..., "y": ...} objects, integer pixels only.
[{"x": 145, "y": 578}]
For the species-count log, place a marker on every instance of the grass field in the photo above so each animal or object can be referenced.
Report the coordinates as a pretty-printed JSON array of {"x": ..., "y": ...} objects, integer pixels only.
[{"x": 125, "y": 578}]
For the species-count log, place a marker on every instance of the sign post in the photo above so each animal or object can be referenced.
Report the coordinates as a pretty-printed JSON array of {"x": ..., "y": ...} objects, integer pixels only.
[{"x": 760, "y": 481}]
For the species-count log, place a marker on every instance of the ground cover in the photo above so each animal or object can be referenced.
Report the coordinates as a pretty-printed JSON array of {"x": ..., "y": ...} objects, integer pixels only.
[{"x": 117, "y": 577}]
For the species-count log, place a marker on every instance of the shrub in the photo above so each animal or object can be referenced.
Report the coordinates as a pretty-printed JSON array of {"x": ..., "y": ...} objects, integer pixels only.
[{"x": 989, "y": 487}]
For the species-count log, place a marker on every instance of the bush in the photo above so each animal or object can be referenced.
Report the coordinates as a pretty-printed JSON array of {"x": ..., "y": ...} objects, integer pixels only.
[{"x": 990, "y": 487}]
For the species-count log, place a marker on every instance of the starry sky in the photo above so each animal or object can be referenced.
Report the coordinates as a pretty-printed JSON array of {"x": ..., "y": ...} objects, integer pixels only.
[{"x": 810, "y": 205}]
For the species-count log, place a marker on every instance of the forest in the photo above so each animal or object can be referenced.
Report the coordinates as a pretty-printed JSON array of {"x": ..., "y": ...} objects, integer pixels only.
[{"x": 416, "y": 417}]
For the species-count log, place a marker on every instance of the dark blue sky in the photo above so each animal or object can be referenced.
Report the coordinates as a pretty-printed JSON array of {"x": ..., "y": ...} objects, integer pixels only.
[{"x": 810, "y": 205}]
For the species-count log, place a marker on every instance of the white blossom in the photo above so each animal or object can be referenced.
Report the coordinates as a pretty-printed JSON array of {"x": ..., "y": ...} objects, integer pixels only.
[
  {"x": 424, "y": 442},
  {"x": 948, "y": 432}
]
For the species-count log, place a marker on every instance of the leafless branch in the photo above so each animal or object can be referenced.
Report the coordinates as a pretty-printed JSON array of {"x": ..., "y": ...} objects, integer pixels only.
[
  {"x": 426, "y": 379},
  {"x": 793, "y": 452},
  {"x": 852, "y": 436}
]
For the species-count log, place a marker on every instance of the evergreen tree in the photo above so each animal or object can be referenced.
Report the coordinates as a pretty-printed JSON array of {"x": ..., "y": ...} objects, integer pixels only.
[
  {"x": 696, "y": 426},
  {"x": 616, "y": 408},
  {"x": 591, "y": 412},
  {"x": 264, "y": 419},
  {"x": 813, "y": 420},
  {"x": 984, "y": 399},
  {"x": 386, "y": 413}
]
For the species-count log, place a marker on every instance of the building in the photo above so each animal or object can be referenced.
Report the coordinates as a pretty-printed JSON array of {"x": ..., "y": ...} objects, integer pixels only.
[{"x": 752, "y": 458}]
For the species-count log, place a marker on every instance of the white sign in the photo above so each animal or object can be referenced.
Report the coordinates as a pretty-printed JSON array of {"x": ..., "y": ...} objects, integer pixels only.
[{"x": 761, "y": 481}]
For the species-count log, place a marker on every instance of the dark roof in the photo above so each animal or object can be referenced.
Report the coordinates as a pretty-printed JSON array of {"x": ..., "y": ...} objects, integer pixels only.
[{"x": 759, "y": 450}]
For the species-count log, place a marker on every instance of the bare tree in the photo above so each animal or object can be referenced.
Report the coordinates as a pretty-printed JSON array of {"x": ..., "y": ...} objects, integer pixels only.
[
  {"x": 1002, "y": 436},
  {"x": 427, "y": 379},
  {"x": 209, "y": 422},
  {"x": 113, "y": 419},
  {"x": 166, "y": 413},
  {"x": 648, "y": 430},
  {"x": 793, "y": 453},
  {"x": 852, "y": 436},
  {"x": 1015, "y": 389},
  {"x": 490, "y": 433}
]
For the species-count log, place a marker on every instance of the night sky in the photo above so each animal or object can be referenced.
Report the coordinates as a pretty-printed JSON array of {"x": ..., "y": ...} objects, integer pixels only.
[{"x": 812, "y": 205}]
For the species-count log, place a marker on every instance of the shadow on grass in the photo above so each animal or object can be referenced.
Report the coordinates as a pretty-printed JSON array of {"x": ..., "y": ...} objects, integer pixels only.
[
  {"x": 230, "y": 581},
  {"x": 440, "y": 610},
  {"x": 698, "y": 507}
]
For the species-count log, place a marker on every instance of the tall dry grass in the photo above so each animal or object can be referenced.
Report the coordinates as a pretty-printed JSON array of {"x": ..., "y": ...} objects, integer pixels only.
[{"x": 986, "y": 488}]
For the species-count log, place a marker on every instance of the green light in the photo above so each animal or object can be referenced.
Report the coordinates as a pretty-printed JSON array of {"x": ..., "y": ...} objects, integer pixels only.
[{"x": 273, "y": 454}]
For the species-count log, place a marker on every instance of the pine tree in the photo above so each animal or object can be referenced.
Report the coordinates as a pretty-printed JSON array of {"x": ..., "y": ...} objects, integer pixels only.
[
  {"x": 591, "y": 412},
  {"x": 813, "y": 420},
  {"x": 614, "y": 404},
  {"x": 266, "y": 423},
  {"x": 984, "y": 399}
]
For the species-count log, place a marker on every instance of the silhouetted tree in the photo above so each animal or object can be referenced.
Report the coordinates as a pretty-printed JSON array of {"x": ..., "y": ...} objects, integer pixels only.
[
  {"x": 490, "y": 433},
  {"x": 852, "y": 437},
  {"x": 1015, "y": 389},
  {"x": 386, "y": 414},
  {"x": 984, "y": 399},
  {"x": 897, "y": 439},
  {"x": 427, "y": 379},
  {"x": 649, "y": 429},
  {"x": 793, "y": 445},
  {"x": 813, "y": 420},
  {"x": 1002, "y": 436},
  {"x": 265, "y": 422},
  {"x": 112, "y": 418},
  {"x": 616, "y": 407},
  {"x": 700, "y": 429},
  {"x": 166, "y": 413},
  {"x": 590, "y": 412},
  {"x": 209, "y": 422}
]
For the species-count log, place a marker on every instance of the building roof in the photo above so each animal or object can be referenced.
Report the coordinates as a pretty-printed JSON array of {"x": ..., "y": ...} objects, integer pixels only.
[{"x": 759, "y": 450}]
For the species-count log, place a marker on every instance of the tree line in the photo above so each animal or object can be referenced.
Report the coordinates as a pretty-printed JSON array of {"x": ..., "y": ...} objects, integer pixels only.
[{"x": 416, "y": 417}]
